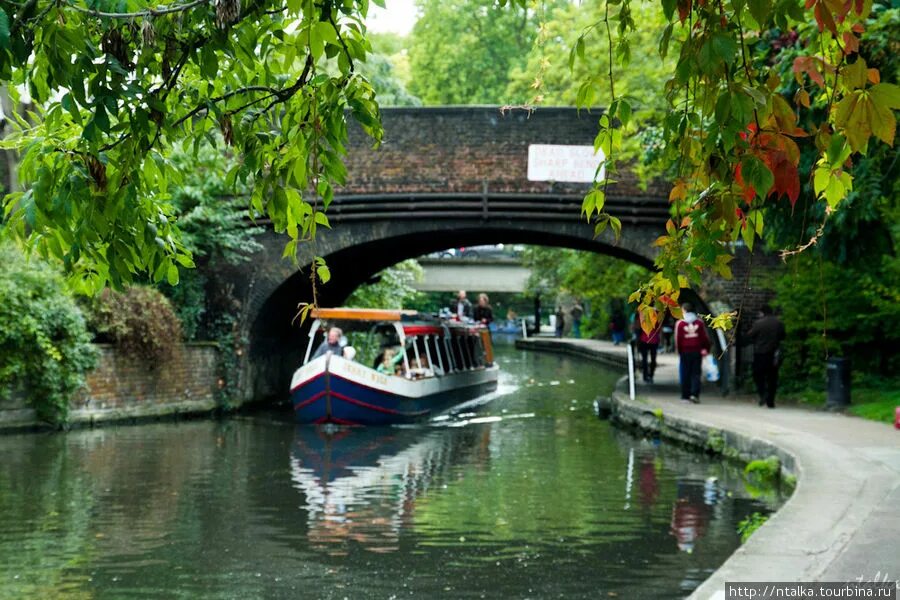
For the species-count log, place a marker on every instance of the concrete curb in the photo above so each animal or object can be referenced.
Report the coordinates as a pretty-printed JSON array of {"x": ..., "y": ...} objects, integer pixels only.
[
  {"x": 26, "y": 420},
  {"x": 842, "y": 522}
]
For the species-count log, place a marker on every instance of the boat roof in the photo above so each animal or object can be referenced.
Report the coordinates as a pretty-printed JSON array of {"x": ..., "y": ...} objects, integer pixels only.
[{"x": 367, "y": 314}]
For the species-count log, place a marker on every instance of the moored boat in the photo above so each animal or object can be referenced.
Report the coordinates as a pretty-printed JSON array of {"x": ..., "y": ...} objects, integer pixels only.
[{"x": 389, "y": 366}]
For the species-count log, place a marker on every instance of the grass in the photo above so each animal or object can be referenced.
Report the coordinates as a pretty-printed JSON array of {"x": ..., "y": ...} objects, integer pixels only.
[{"x": 874, "y": 399}]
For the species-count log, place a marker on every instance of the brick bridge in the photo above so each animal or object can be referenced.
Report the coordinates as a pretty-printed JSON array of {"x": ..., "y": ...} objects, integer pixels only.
[{"x": 443, "y": 177}]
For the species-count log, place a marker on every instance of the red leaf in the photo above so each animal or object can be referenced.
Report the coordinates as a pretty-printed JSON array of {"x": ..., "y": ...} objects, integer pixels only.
[
  {"x": 851, "y": 43},
  {"x": 667, "y": 300},
  {"x": 684, "y": 9},
  {"x": 748, "y": 193},
  {"x": 787, "y": 177}
]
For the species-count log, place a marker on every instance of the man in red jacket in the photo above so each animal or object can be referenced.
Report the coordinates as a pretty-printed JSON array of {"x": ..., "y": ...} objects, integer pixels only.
[{"x": 691, "y": 344}]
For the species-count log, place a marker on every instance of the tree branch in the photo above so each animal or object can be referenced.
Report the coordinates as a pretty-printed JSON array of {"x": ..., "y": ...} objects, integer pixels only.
[{"x": 152, "y": 12}]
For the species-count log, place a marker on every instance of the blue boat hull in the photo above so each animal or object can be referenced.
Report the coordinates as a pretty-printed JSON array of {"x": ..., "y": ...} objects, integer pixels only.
[{"x": 330, "y": 398}]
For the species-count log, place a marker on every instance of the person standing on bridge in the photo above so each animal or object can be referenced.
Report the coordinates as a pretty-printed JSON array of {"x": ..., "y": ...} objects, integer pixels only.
[
  {"x": 462, "y": 308},
  {"x": 692, "y": 344},
  {"x": 483, "y": 312}
]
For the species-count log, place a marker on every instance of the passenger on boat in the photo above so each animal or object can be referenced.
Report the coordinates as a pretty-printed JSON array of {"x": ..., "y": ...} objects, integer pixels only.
[
  {"x": 462, "y": 308},
  {"x": 421, "y": 369},
  {"x": 331, "y": 344},
  {"x": 390, "y": 362}
]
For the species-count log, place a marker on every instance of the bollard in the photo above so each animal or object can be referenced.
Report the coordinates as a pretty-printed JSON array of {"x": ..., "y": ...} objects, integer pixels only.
[{"x": 837, "y": 383}]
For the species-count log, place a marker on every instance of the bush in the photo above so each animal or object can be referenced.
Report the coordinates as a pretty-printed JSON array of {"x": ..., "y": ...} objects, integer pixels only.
[
  {"x": 140, "y": 321},
  {"x": 45, "y": 347}
]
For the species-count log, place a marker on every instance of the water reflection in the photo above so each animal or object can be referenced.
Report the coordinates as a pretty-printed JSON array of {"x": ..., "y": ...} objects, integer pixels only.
[{"x": 361, "y": 485}]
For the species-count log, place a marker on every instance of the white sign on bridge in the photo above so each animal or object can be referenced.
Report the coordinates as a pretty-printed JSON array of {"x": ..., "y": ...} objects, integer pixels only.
[{"x": 550, "y": 162}]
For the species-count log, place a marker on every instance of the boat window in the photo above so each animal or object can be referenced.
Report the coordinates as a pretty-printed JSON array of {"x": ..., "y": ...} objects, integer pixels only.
[
  {"x": 382, "y": 336},
  {"x": 416, "y": 344},
  {"x": 446, "y": 354},
  {"x": 467, "y": 351},
  {"x": 479, "y": 351},
  {"x": 434, "y": 356},
  {"x": 458, "y": 359},
  {"x": 470, "y": 351}
]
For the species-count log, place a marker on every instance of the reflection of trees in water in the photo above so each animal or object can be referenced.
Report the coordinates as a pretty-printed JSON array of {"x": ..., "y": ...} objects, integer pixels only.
[
  {"x": 363, "y": 485},
  {"x": 111, "y": 493}
]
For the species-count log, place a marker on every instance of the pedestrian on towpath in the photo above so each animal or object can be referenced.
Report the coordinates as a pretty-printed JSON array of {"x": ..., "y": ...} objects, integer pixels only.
[
  {"x": 692, "y": 344},
  {"x": 766, "y": 334}
]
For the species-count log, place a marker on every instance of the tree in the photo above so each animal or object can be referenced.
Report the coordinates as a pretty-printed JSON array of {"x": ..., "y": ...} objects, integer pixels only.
[
  {"x": 462, "y": 51},
  {"x": 393, "y": 288},
  {"x": 599, "y": 281},
  {"x": 113, "y": 87},
  {"x": 549, "y": 78}
]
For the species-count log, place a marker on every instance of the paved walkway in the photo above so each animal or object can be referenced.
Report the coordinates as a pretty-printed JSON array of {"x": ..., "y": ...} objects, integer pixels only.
[{"x": 843, "y": 521}]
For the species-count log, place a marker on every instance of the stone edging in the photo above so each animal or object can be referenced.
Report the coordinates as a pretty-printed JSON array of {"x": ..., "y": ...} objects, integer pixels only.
[{"x": 25, "y": 419}]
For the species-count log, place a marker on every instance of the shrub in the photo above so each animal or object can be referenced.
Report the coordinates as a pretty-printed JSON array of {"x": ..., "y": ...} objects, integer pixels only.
[
  {"x": 748, "y": 526},
  {"x": 45, "y": 347},
  {"x": 139, "y": 320}
]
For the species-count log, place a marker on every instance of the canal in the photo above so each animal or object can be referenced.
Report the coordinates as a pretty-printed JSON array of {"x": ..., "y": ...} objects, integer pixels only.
[{"x": 524, "y": 494}]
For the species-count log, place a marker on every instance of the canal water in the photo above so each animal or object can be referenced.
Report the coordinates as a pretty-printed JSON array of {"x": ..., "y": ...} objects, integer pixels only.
[{"x": 525, "y": 494}]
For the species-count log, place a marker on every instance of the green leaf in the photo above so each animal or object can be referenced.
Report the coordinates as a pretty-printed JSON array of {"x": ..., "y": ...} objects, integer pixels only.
[
  {"x": 886, "y": 94},
  {"x": 664, "y": 40},
  {"x": 324, "y": 273},
  {"x": 322, "y": 220},
  {"x": 172, "y": 274},
  {"x": 854, "y": 76},
  {"x": 624, "y": 112},
  {"x": 209, "y": 63},
  {"x": 616, "y": 225},
  {"x": 669, "y": 8},
  {"x": 760, "y": 10},
  {"x": 101, "y": 120},
  {"x": 724, "y": 47},
  {"x": 4, "y": 30},
  {"x": 326, "y": 32},
  {"x": 316, "y": 43}
]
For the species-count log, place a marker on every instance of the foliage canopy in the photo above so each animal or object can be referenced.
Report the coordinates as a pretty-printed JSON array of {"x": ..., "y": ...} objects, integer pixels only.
[
  {"x": 45, "y": 347},
  {"x": 115, "y": 85}
]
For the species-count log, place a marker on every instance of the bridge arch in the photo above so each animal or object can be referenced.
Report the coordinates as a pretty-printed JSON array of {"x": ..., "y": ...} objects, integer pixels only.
[{"x": 357, "y": 252}]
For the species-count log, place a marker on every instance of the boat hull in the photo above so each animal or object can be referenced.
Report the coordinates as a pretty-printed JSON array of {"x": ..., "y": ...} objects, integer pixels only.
[{"x": 334, "y": 390}]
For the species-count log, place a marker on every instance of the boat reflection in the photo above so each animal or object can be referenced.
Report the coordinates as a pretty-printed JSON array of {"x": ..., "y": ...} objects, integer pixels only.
[{"x": 361, "y": 485}]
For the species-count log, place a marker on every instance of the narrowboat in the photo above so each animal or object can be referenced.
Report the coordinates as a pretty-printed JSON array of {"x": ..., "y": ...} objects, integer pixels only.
[{"x": 383, "y": 367}]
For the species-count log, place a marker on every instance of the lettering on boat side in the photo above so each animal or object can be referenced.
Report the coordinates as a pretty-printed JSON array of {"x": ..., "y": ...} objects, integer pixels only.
[{"x": 360, "y": 371}]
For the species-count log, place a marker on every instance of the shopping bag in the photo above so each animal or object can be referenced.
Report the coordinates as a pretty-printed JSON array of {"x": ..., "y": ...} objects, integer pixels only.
[{"x": 710, "y": 368}]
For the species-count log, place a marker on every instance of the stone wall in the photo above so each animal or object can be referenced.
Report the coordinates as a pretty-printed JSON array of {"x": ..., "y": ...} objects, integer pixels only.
[{"x": 122, "y": 388}]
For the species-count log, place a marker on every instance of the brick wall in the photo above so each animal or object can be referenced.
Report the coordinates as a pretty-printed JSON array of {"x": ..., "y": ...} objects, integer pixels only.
[
  {"x": 124, "y": 388},
  {"x": 123, "y": 382}
]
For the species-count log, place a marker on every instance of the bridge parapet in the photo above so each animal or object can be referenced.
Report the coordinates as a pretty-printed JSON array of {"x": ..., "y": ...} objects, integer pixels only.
[{"x": 474, "y": 150}]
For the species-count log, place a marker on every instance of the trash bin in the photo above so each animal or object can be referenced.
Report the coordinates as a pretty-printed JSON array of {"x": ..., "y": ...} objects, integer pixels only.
[{"x": 838, "y": 382}]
